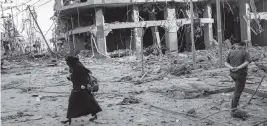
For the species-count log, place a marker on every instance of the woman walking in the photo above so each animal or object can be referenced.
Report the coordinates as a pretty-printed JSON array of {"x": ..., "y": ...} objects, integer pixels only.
[{"x": 81, "y": 100}]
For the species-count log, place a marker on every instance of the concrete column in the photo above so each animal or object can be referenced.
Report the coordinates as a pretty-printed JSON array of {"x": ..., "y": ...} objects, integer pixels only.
[
  {"x": 74, "y": 40},
  {"x": 155, "y": 31},
  {"x": 100, "y": 34},
  {"x": 137, "y": 44},
  {"x": 188, "y": 38},
  {"x": 171, "y": 30},
  {"x": 79, "y": 44},
  {"x": 72, "y": 43},
  {"x": 244, "y": 26},
  {"x": 71, "y": 46},
  {"x": 208, "y": 33}
]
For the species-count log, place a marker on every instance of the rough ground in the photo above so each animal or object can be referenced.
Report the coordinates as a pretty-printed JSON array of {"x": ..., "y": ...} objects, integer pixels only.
[{"x": 160, "y": 99}]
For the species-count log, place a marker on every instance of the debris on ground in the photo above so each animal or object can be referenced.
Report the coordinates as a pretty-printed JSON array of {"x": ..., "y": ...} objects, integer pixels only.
[
  {"x": 125, "y": 78},
  {"x": 129, "y": 100},
  {"x": 136, "y": 92},
  {"x": 24, "y": 73},
  {"x": 120, "y": 53},
  {"x": 179, "y": 91},
  {"x": 202, "y": 59},
  {"x": 85, "y": 53},
  {"x": 191, "y": 112},
  {"x": 152, "y": 50},
  {"x": 178, "y": 69},
  {"x": 53, "y": 62},
  {"x": 240, "y": 114},
  {"x": 36, "y": 117},
  {"x": 193, "y": 95},
  {"x": 261, "y": 123},
  {"x": 142, "y": 120},
  {"x": 208, "y": 122},
  {"x": 18, "y": 115}
]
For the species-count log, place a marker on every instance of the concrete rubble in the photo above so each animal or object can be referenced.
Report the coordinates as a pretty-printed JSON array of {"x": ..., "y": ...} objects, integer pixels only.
[{"x": 201, "y": 92}]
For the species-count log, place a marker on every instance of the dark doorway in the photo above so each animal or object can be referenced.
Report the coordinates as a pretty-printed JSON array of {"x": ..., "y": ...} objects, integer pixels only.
[{"x": 118, "y": 39}]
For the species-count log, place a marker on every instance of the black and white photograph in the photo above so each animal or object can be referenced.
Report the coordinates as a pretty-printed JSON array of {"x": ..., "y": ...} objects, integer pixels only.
[{"x": 133, "y": 62}]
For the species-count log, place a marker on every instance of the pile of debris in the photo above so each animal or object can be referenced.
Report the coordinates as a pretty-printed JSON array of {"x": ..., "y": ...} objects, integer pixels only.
[
  {"x": 129, "y": 100},
  {"x": 179, "y": 64},
  {"x": 152, "y": 50},
  {"x": 85, "y": 53},
  {"x": 179, "y": 70},
  {"x": 120, "y": 53},
  {"x": 240, "y": 114}
]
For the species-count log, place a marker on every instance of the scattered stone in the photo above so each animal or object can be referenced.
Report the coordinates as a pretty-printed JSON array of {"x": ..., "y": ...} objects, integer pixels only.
[
  {"x": 20, "y": 114},
  {"x": 55, "y": 115},
  {"x": 35, "y": 95},
  {"x": 179, "y": 69},
  {"x": 202, "y": 59},
  {"x": 165, "y": 78},
  {"x": 120, "y": 53},
  {"x": 24, "y": 120},
  {"x": 250, "y": 82},
  {"x": 214, "y": 108},
  {"x": 19, "y": 74},
  {"x": 63, "y": 72},
  {"x": 212, "y": 74},
  {"x": 130, "y": 100},
  {"x": 191, "y": 112},
  {"x": 85, "y": 53},
  {"x": 219, "y": 101},
  {"x": 53, "y": 62},
  {"x": 156, "y": 70},
  {"x": 208, "y": 122},
  {"x": 110, "y": 96},
  {"x": 54, "y": 99},
  {"x": 137, "y": 92},
  {"x": 226, "y": 94},
  {"x": 28, "y": 72},
  {"x": 240, "y": 114},
  {"x": 36, "y": 117},
  {"x": 137, "y": 82},
  {"x": 164, "y": 122},
  {"x": 101, "y": 122},
  {"x": 192, "y": 95},
  {"x": 141, "y": 120},
  {"x": 126, "y": 78},
  {"x": 48, "y": 114}
]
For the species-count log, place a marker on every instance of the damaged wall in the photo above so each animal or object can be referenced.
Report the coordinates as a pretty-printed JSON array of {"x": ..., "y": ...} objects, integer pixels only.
[
  {"x": 160, "y": 32},
  {"x": 79, "y": 43},
  {"x": 119, "y": 39},
  {"x": 260, "y": 39}
]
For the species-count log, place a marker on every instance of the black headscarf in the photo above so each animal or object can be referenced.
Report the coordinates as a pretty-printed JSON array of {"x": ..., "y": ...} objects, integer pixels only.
[{"x": 73, "y": 62}]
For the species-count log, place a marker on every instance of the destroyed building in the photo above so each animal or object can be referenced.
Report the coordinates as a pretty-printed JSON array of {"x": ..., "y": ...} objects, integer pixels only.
[
  {"x": 127, "y": 24},
  {"x": 11, "y": 40}
]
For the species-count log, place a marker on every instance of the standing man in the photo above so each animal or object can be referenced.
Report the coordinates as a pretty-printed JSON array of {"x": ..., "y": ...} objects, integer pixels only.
[{"x": 237, "y": 61}]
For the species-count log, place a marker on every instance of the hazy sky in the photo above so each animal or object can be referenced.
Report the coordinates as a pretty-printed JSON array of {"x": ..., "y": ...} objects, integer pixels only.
[{"x": 43, "y": 8}]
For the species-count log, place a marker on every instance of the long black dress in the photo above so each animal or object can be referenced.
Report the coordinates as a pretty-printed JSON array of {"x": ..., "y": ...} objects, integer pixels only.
[{"x": 81, "y": 101}]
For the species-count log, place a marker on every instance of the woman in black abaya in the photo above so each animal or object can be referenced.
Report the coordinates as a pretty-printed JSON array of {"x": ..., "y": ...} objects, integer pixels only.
[{"x": 81, "y": 100}]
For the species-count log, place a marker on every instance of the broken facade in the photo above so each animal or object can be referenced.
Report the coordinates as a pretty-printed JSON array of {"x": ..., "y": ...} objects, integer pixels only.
[
  {"x": 129, "y": 24},
  {"x": 11, "y": 40}
]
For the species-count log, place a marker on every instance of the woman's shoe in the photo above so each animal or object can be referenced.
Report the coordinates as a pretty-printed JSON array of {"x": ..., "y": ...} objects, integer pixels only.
[
  {"x": 94, "y": 118},
  {"x": 66, "y": 121}
]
